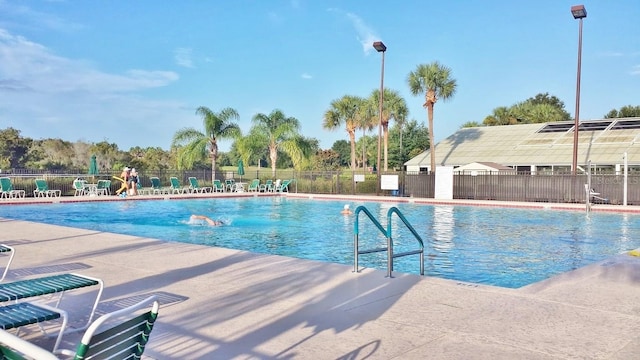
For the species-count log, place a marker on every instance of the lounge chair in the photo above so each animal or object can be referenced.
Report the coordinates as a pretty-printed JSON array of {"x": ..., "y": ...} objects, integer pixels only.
[
  {"x": 195, "y": 187},
  {"x": 267, "y": 186},
  {"x": 7, "y": 249},
  {"x": 217, "y": 186},
  {"x": 176, "y": 187},
  {"x": 254, "y": 185},
  {"x": 284, "y": 187},
  {"x": 19, "y": 314},
  {"x": 103, "y": 187},
  {"x": 7, "y": 189},
  {"x": 78, "y": 186},
  {"x": 42, "y": 189},
  {"x": 157, "y": 187},
  {"x": 123, "y": 334},
  {"x": 230, "y": 185},
  {"x": 142, "y": 190}
]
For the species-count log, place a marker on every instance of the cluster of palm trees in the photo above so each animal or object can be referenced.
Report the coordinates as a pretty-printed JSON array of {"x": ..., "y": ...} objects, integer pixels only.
[
  {"x": 433, "y": 80},
  {"x": 274, "y": 131},
  {"x": 278, "y": 132}
]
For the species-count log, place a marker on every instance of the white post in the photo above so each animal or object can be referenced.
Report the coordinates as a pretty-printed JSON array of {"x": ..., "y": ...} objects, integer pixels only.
[{"x": 624, "y": 191}]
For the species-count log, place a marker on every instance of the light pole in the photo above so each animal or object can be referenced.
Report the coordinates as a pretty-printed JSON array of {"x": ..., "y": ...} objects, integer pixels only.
[
  {"x": 380, "y": 47},
  {"x": 578, "y": 12}
]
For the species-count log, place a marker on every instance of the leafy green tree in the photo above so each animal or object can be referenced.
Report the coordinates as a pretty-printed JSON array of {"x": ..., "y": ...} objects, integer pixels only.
[
  {"x": 193, "y": 145},
  {"x": 470, "y": 124},
  {"x": 625, "y": 111},
  {"x": 500, "y": 116},
  {"x": 539, "y": 109},
  {"x": 343, "y": 149},
  {"x": 304, "y": 150},
  {"x": 345, "y": 111},
  {"x": 415, "y": 141},
  {"x": 108, "y": 156},
  {"x": 393, "y": 106},
  {"x": 435, "y": 81},
  {"x": 554, "y": 102},
  {"x": 14, "y": 149},
  {"x": 327, "y": 160},
  {"x": 150, "y": 158},
  {"x": 53, "y": 154},
  {"x": 282, "y": 132}
]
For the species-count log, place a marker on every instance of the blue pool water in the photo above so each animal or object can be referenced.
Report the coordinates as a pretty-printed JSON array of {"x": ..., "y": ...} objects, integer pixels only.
[{"x": 495, "y": 246}]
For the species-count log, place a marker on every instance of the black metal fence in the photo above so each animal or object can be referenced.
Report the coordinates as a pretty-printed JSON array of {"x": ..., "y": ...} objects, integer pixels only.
[{"x": 559, "y": 188}]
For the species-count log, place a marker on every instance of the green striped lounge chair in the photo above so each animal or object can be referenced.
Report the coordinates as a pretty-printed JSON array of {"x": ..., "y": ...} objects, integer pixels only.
[{"x": 122, "y": 334}]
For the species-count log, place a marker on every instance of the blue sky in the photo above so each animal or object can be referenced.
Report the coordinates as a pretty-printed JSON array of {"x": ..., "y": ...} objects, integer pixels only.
[{"x": 133, "y": 72}]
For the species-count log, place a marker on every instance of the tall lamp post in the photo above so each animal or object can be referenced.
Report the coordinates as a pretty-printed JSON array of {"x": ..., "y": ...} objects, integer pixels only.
[
  {"x": 578, "y": 12},
  {"x": 380, "y": 47}
]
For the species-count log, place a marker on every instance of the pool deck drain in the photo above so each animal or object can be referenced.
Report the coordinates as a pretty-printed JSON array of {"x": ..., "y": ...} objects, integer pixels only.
[{"x": 228, "y": 304}]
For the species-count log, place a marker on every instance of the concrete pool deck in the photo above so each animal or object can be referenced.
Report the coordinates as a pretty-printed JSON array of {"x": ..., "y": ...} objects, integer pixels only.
[{"x": 227, "y": 304}]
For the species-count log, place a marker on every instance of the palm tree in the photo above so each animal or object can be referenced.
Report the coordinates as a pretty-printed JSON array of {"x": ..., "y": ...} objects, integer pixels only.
[
  {"x": 393, "y": 106},
  {"x": 282, "y": 132},
  {"x": 367, "y": 121},
  {"x": 345, "y": 111},
  {"x": 434, "y": 80},
  {"x": 196, "y": 144}
]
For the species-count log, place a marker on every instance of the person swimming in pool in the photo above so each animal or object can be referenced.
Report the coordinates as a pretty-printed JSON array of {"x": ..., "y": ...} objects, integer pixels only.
[
  {"x": 207, "y": 219},
  {"x": 346, "y": 210}
]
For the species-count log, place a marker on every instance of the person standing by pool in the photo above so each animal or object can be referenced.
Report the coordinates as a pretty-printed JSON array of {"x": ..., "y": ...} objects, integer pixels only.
[
  {"x": 133, "y": 182},
  {"x": 124, "y": 178}
]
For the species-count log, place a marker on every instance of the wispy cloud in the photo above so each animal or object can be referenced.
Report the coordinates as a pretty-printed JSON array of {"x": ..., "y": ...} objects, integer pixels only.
[
  {"x": 22, "y": 16},
  {"x": 306, "y": 76},
  {"x": 364, "y": 33},
  {"x": 635, "y": 70},
  {"x": 182, "y": 57},
  {"x": 41, "y": 89},
  {"x": 611, "y": 54},
  {"x": 28, "y": 65}
]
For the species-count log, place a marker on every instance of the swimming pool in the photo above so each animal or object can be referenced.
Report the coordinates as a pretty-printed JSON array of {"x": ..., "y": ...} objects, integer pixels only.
[{"x": 495, "y": 246}]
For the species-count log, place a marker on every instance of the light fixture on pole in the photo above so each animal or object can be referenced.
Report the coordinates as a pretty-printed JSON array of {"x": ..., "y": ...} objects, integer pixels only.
[
  {"x": 380, "y": 47},
  {"x": 578, "y": 12}
]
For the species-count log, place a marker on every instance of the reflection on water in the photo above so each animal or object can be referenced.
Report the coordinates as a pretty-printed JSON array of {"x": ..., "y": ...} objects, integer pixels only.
[{"x": 443, "y": 228}]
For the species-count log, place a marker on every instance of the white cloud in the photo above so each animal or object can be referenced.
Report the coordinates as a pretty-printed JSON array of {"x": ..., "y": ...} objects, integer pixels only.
[
  {"x": 21, "y": 16},
  {"x": 47, "y": 95},
  {"x": 364, "y": 33},
  {"x": 27, "y": 65},
  {"x": 306, "y": 76},
  {"x": 635, "y": 70},
  {"x": 182, "y": 57}
]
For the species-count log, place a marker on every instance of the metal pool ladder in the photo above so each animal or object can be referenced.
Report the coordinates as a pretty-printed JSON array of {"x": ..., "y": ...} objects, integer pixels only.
[{"x": 387, "y": 233}]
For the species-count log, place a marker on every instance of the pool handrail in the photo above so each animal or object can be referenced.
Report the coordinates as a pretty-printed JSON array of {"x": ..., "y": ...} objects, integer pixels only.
[
  {"x": 394, "y": 210},
  {"x": 388, "y": 235},
  {"x": 356, "y": 251}
]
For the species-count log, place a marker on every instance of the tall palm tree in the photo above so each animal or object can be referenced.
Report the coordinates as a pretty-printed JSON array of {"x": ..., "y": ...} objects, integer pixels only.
[
  {"x": 345, "y": 111},
  {"x": 217, "y": 125},
  {"x": 393, "y": 105},
  {"x": 283, "y": 134},
  {"x": 367, "y": 120},
  {"x": 434, "y": 80}
]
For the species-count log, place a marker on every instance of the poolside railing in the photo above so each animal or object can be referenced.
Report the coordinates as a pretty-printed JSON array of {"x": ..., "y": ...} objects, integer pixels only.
[{"x": 389, "y": 239}]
